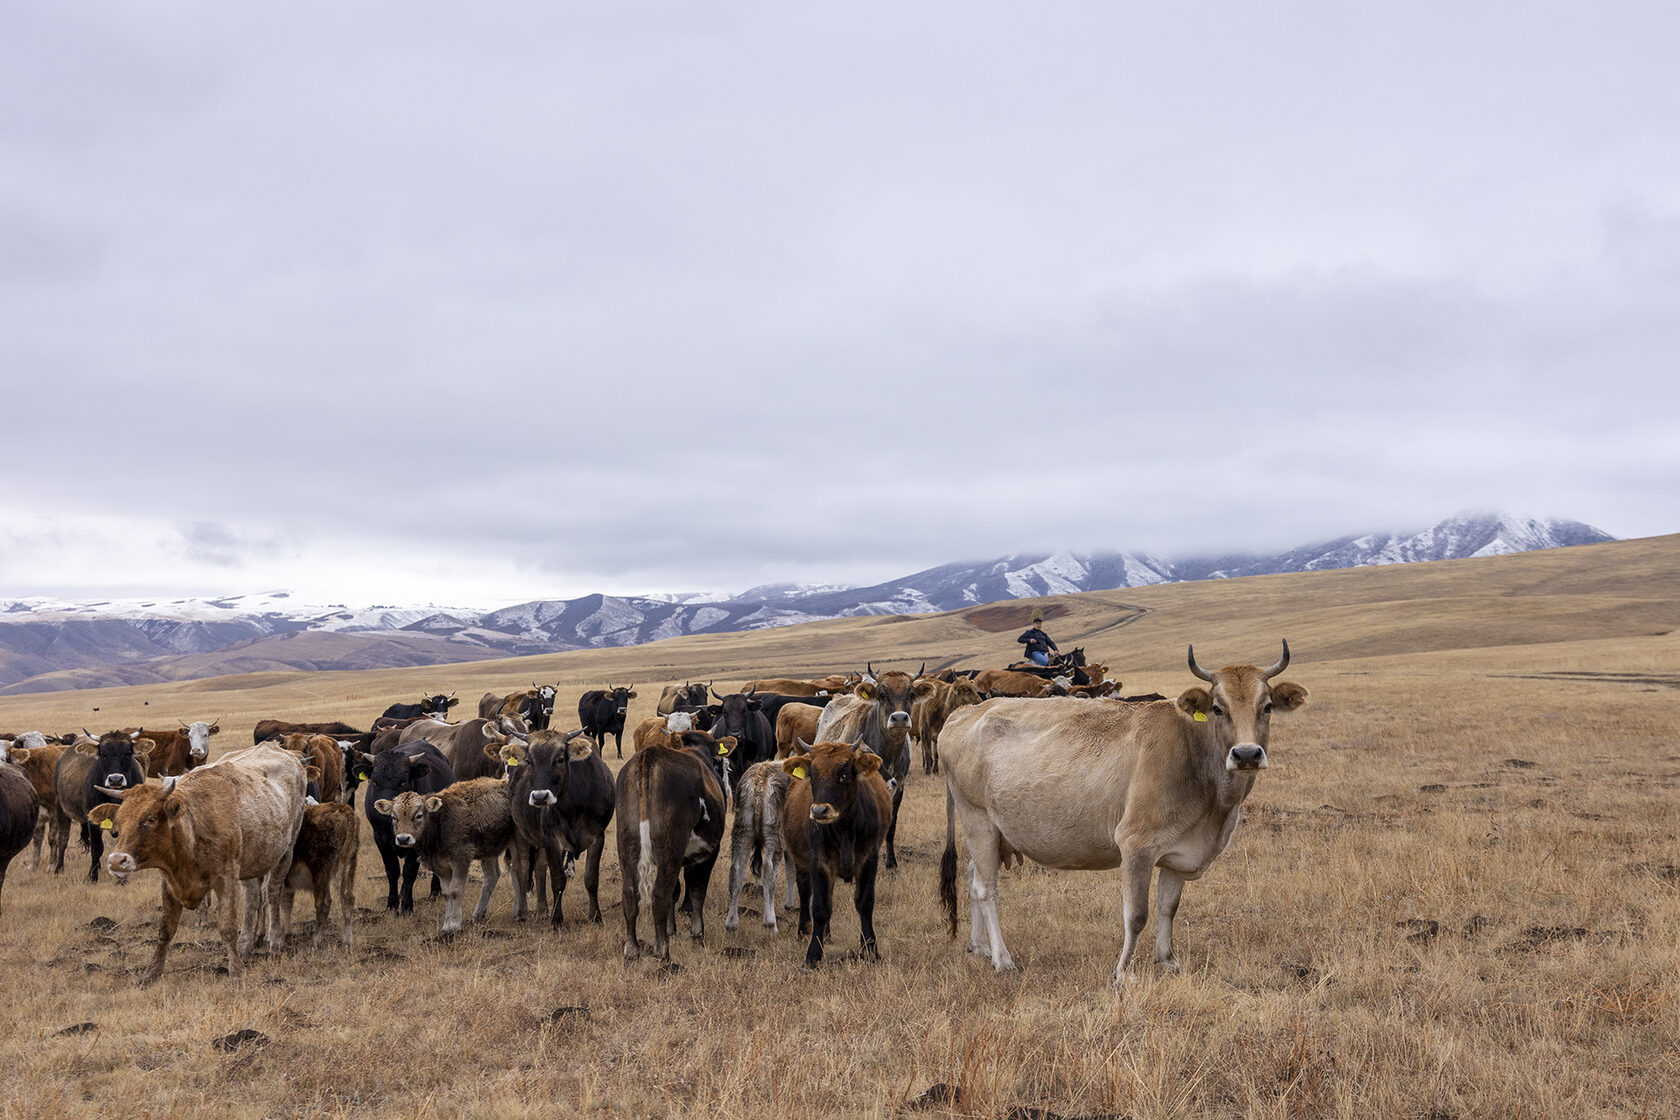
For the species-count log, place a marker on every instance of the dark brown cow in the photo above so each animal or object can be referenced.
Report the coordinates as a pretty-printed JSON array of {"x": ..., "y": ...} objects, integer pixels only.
[
  {"x": 325, "y": 754},
  {"x": 878, "y": 712},
  {"x": 324, "y": 859},
  {"x": 19, "y": 808},
  {"x": 838, "y": 811},
  {"x": 448, "y": 830},
  {"x": 670, "y": 809},
  {"x": 267, "y": 729},
  {"x": 560, "y": 793},
  {"x": 231, "y": 823}
]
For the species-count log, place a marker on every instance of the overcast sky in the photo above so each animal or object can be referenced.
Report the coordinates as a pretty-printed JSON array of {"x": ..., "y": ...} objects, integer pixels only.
[{"x": 473, "y": 304}]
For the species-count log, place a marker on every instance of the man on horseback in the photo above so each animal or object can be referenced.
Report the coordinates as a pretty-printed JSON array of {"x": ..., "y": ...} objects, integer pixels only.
[{"x": 1038, "y": 643}]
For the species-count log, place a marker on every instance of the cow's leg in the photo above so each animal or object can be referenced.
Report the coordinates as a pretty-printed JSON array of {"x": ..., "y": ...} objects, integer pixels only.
[
  {"x": 166, "y": 933},
  {"x": 410, "y": 872},
  {"x": 554, "y": 867},
  {"x": 740, "y": 856},
  {"x": 790, "y": 895},
  {"x": 773, "y": 861},
  {"x": 892, "y": 826},
  {"x": 1169, "y": 887},
  {"x": 95, "y": 839},
  {"x": 453, "y": 888},
  {"x": 323, "y": 907},
  {"x": 250, "y": 892},
  {"x": 347, "y": 888},
  {"x": 492, "y": 869},
  {"x": 863, "y": 897},
  {"x": 592, "y": 878},
  {"x": 58, "y": 839},
  {"x": 270, "y": 893},
  {"x": 802, "y": 878},
  {"x": 522, "y": 856},
  {"x": 630, "y": 901},
  {"x": 542, "y": 876},
  {"x": 41, "y": 820},
  {"x": 393, "y": 867},
  {"x": 666, "y": 880},
  {"x": 985, "y": 852},
  {"x": 288, "y": 895},
  {"x": 1135, "y": 870},
  {"x": 698, "y": 878},
  {"x": 822, "y": 909}
]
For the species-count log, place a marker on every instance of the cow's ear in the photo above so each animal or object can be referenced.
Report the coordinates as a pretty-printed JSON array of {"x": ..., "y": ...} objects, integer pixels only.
[
  {"x": 631, "y": 695},
  {"x": 925, "y": 687},
  {"x": 1287, "y": 696},
  {"x": 312, "y": 773},
  {"x": 90, "y": 749},
  {"x": 433, "y": 803},
  {"x": 215, "y": 729},
  {"x": 143, "y": 748},
  {"x": 866, "y": 761},
  {"x": 580, "y": 748},
  {"x": 796, "y": 766},
  {"x": 104, "y": 816},
  {"x": 755, "y": 705},
  {"x": 1195, "y": 702},
  {"x": 726, "y": 746},
  {"x": 865, "y": 689},
  {"x": 493, "y": 751},
  {"x": 20, "y": 755},
  {"x": 383, "y": 806}
]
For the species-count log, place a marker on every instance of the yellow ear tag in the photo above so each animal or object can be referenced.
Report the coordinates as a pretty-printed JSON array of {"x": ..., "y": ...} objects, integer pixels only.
[
  {"x": 362, "y": 776},
  {"x": 106, "y": 824},
  {"x": 722, "y": 750},
  {"x": 512, "y": 762},
  {"x": 1200, "y": 717},
  {"x": 799, "y": 771}
]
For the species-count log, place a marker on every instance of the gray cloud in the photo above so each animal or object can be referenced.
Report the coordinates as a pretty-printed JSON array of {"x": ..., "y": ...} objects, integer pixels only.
[{"x": 557, "y": 298}]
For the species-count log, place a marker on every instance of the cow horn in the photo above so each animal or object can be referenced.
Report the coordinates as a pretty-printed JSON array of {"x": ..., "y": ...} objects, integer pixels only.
[
  {"x": 88, "y": 733},
  {"x": 114, "y": 794},
  {"x": 1283, "y": 663},
  {"x": 869, "y": 667},
  {"x": 919, "y": 672},
  {"x": 1199, "y": 672},
  {"x": 570, "y": 735},
  {"x": 750, "y": 691},
  {"x": 715, "y": 696},
  {"x": 183, "y": 723}
]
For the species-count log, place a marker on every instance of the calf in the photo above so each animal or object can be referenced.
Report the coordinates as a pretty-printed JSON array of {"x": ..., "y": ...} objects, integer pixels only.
[
  {"x": 838, "y": 812},
  {"x": 450, "y": 829},
  {"x": 176, "y": 752},
  {"x": 411, "y": 767},
  {"x": 756, "y": 841},
  {"x": 324, "y": 857},
  {"x": 326, "y": 754},
  {"x": 670, "y": 823},
  {"x": 602, "y": 712},
  {"x": 18, "y": 809},
  {"x": 928, "y": 716},
  {"x": 561, "y": 797},
  {"x": 221, "y": 826},
  {"x": 84, "y": 775}
]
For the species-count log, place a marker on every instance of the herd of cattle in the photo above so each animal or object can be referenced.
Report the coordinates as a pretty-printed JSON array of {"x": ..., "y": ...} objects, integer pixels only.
[{"x": 1047, "y": 764}]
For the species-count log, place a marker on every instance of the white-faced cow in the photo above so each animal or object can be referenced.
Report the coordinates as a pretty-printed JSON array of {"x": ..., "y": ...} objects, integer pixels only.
[
  {"x": 177, "y": 751},
  {"x": 602, "y": 712},
  {"x": 220, "y": 827},
  {"x": 1089, "y": 785},
  {"x": 878, "y": 713}
]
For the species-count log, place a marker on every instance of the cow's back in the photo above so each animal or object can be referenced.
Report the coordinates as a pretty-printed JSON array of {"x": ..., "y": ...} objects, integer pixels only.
[
  {"x": 249, "y": 803},
  {"x": 842, "y": 720}
]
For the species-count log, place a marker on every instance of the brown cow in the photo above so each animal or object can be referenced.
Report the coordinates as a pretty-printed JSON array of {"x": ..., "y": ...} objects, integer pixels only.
[
  {"x": 793, "y": 723},
  {"x": 784, "y": 686},
  {"x": 1007, "y": 682},
  {"x": 838, "y": 812},
  {"x": 928, "y": 716},
  {"x": 38, "y": 762},
  {"x": 325, "y": 754},
  {"x": 451, "y": 828},
  {"x": 217, "y": 827},
  {"x": 878, "y": 712},
  {"x": 670, "y": 808},
  {"x": 1089, "y": 785},
  {"x": 324, "y": 859},
  {"x": 176, "y": 752},
  {"x": 19, "y": 812},
  {"x": 463, "y": 743},
  {"x": 267, "y": 729}
]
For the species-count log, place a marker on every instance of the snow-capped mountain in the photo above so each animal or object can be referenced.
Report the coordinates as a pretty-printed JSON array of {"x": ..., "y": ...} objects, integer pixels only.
[{"x": 50, "y": 644}]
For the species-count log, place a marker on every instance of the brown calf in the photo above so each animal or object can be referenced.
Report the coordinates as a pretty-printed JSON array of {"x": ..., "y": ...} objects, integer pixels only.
[
  {"x": 838, "y": 810},
  {"x": 324, "y": 858}
]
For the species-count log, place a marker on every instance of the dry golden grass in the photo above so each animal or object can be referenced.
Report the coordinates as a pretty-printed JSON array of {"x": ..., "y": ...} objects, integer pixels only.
[{"x": 1455, "y": 894}]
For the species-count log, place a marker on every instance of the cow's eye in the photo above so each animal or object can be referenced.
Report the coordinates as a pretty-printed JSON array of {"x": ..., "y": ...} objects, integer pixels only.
[
  {"x": 1267, "y": 709},
  {"x": 1218, "y": 711}
]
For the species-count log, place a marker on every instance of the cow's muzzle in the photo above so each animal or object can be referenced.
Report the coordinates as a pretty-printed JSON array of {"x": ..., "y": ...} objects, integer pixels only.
[
  {"x": 542, "y": 798},
  {"x": 823, "y": 813},
  {"x": 405, "y": 839},
  {"x": 116, "y": 781},
  {"x": 120, "y": 863},
  {"x": 1246, "y": 756},
  {"x": 899, "y": 719},
  {"x": 199, "y": 753}
]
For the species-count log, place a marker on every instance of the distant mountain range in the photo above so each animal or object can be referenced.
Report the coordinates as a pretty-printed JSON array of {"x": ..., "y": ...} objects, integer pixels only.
[{"x": 49, "y": 645}]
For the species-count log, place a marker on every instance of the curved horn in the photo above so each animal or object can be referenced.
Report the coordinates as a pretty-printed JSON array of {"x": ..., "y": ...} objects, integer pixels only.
[
  {"x": 88, "y": 733},
  {"x": 183, "y": 723},
  {"x": 869, "y": 667},
  {"x": 113, "y": 794},
  {"x": 1283, "y": 663},
  {"x": 919, "y": 672},
  {"x": 715, "y": 696},
  {"x": 1199, "y": 672},
  {"x": 570, "y": 735}
]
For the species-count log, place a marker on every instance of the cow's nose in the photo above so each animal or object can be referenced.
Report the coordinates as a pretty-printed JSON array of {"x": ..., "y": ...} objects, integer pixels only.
[
  {"x": 1246, "y": 756},
  {"x": 900, "y": 719},
  {"x": 822, "y": 813},
  {"x": 541, "y": 797},
  {"x": 116, "y": 781},
  {"x": 405, "y": 840},
  {"x": 119, "y": 863}
]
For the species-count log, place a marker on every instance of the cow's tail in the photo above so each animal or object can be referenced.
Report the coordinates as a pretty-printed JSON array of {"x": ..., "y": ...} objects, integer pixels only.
[
  {"x": 948, "y": 864},
  {"x": 644, "y": 859}
]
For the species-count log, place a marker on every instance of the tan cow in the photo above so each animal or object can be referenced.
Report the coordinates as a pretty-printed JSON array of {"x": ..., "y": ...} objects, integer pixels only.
[
  {"x": 1086, "y": 785},
  {"x": 793, "y": 723},
  {"x": 38, "y": 759},
  {"x": 228, "y": 824},
  {"x": 1007, "y": 682},
  {"x": 784, "y": 686}
]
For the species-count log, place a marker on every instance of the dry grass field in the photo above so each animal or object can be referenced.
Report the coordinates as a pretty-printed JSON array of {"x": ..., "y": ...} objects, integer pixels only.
[{"x": 1456, "y": 893}]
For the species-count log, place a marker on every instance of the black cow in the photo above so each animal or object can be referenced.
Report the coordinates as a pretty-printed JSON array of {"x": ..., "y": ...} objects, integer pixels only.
[
  {"x": 601, "y": 712},
  {"x": 836, "y": 814},
  {"x": 741, "y": 716},
  {"x": 118, "y": 762},
  {"x": 435, "y": 705},
  {"x": 416, "y": 766},
  {"x": 18, "y": 808},
  {"x": 561, "y": 799}
]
